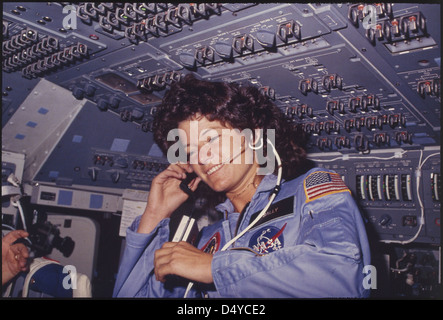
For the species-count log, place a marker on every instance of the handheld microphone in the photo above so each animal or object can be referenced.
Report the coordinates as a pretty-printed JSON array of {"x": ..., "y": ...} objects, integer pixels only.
[{"x": 184, "y": 184}]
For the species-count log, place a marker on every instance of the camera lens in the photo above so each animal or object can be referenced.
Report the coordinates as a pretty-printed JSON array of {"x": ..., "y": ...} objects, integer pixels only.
[
  {"x": 64, "y": 245},
  {"x": 45, "y": 236}
]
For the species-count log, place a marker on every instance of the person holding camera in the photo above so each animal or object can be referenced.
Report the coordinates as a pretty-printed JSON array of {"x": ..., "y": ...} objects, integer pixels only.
[{"x": 14, "y": 255}]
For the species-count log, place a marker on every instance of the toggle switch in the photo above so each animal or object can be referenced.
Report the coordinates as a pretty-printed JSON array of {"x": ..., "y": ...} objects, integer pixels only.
[
  {"x": 115, "y": 176},
  {"x": 307, "y": 85},
  {"x": 288, "y": 30},
  {"x": 93, "y": 173},
  {"x": 342, "y": 142},
  {"x": 184, "y": 13},
  {"x": 204, "y": 54},
  {"x": 243, "y": 42},
  {"x": 198, "y": 9},
  {"x": 145, "y": 84},
  {"x": 332, "y": 81}
]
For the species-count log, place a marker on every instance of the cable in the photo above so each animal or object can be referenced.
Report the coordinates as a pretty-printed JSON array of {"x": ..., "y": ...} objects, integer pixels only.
[
  {"x": 11, "y": 228},
  {"x": 422, "y": 209},
  {"x": 262, "y": 213},
  {"x": 8, "y": 226},
  {"x": 426, "y": 159},
  {"x": 395, "y": 156},
  {"x": 417, "y": 176},
  {"x": 12, "y": 179},
  {"x": 22, "y": 214}
]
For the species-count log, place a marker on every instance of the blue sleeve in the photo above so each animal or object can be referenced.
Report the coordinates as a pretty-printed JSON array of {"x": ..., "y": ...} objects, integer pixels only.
[
  {"x": 136, "y": 277},
  {"x": 325, "y": 260}
]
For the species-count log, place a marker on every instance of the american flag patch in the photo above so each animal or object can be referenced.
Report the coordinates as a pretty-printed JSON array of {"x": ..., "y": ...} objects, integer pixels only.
[{"x": 321, "y": 183}]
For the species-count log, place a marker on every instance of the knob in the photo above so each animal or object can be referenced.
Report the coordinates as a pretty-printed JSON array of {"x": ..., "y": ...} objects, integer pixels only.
[
  {"x": 102, "y": 104},
  {"x": 78, "y": 93},
  {"x": 114, "y": 102},
  {"x": 90, "y": 90},
  {"x": 385, "y": 220}
]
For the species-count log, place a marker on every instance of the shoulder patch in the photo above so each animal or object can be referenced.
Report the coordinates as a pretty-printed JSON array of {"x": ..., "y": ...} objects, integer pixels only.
[{"x": 322, "y": 183}]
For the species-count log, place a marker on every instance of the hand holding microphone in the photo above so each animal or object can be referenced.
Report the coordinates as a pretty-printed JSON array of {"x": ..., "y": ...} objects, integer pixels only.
[{"x": 169, "y": 189}]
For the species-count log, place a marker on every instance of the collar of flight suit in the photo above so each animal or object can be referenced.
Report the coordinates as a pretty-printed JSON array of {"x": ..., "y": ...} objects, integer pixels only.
[{"x": 266, "y": 185}]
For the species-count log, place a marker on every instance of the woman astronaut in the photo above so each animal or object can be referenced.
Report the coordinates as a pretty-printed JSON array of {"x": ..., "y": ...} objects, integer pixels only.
[{"x": 288, "y": 229}]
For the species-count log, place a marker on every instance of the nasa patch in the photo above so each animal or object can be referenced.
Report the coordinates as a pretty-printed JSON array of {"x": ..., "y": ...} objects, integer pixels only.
[{"x": 267, "y": 240}]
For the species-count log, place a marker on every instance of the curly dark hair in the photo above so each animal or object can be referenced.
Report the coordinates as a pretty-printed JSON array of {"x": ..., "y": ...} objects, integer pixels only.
[{"x": 242, "y": 107}]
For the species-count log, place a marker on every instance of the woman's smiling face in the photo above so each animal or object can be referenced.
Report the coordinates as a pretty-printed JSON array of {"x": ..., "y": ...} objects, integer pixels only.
[{"x": 218, "y": 154}]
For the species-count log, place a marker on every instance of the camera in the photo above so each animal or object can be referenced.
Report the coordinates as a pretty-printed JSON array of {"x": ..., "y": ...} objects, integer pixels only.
[{"x": 44, "y": 236}]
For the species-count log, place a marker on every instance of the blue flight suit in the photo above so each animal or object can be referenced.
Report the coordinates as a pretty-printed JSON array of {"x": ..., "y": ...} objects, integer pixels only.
[{"x": 311, "y": 243}]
